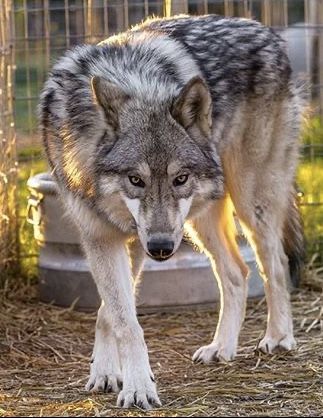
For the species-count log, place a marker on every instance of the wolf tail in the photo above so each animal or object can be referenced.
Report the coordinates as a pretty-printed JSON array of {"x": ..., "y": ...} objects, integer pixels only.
[{"x": 293, "y": 240}]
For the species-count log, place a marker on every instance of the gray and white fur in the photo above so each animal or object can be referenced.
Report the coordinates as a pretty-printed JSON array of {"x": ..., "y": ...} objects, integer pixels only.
[{"x": 174, "y": 125}]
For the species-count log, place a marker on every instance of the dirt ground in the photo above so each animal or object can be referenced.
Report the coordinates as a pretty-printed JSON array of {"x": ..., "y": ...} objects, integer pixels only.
[{"x": 45, "y": 351}]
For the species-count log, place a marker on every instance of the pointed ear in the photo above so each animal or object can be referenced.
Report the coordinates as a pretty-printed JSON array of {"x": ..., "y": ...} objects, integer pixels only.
[
  {"x": 110, "y": 97},
  {"x": 194, "y": 106}
]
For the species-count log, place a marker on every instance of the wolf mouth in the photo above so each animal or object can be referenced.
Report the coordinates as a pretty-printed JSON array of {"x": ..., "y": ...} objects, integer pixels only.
[{"x": 160, "y": 257}]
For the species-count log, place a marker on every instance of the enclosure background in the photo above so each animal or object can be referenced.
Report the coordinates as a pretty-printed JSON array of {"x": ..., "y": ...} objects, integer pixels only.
[{"x": 41, "y": 30}]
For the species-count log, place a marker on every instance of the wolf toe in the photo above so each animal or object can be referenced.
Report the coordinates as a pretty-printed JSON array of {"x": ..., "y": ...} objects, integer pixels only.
[
  {"x": 213, "y": 352},
  {"x": 270, "y": 345},
  {"x": 104, "y": 383},
  {"x": 104, "y": 377},
  {"x": 142, "y": 397}
]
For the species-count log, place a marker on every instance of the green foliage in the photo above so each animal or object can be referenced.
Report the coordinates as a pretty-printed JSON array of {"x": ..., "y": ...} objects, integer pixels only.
[
  {"x": 312, "y": 138},
  {"x": 310, "y": 181},
  {"x": 30, "y": 153}
]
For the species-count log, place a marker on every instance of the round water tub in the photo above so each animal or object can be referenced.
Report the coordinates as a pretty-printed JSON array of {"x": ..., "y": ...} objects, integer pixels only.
[{"x": 184, "y": 280}]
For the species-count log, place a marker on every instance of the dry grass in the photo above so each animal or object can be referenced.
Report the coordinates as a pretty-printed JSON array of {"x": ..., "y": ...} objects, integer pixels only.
[{"x": 44, "y": 356}]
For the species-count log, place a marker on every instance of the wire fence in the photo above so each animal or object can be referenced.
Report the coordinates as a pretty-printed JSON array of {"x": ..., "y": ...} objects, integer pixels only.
[
  {"x": 44, "y": 29},
  {"x": 8, "y": 165}
]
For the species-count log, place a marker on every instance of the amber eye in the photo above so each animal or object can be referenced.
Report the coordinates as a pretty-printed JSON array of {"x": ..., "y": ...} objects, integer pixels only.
[
  {"x": 180, "y": 180},
  {"x": 136, "y": 181}
]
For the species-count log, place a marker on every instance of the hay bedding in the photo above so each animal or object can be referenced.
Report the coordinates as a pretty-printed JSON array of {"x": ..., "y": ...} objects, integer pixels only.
[{"x": 44, "y": 363}]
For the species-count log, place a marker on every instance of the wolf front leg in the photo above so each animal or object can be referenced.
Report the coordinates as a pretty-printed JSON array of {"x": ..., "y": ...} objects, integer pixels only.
[
  {"x": 214, "y": 231},
  {"x": 105, "y": 363},
  {"x": 110, "y": 267}
]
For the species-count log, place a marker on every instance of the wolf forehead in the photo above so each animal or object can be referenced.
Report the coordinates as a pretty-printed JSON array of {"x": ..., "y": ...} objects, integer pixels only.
[{"x": 152, "y": 143}]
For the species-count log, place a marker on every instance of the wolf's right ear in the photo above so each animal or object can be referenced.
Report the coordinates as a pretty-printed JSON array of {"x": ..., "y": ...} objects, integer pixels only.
[{"x": 110, "y": 97}]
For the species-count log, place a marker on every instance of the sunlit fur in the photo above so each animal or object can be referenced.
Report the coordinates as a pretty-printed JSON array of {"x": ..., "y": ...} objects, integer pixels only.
[{"x": 208, "y": 99}]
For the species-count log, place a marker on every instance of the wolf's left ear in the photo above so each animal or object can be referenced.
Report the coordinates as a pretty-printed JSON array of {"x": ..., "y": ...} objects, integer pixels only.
[
  {"x": 194, "y": 106},
  {"x": 110, "y": 97}
]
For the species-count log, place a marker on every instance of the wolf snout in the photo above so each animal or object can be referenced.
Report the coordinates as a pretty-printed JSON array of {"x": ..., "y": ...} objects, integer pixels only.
[{"x": 160, "y": 249}]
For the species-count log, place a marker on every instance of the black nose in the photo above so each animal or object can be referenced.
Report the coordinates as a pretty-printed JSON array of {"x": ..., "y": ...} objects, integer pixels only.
[{"x": 160, "y": 249}]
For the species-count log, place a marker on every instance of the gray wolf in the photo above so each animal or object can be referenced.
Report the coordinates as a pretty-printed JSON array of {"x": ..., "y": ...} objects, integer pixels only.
[{"x": 174, "y": 125}]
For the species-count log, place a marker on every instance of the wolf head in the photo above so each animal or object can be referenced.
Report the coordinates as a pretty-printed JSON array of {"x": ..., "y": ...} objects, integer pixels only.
[{"x": 157, "y": 160}]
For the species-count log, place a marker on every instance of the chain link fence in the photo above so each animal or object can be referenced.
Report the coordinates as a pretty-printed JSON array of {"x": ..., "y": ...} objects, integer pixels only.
[{"x": 44, "y": 29}]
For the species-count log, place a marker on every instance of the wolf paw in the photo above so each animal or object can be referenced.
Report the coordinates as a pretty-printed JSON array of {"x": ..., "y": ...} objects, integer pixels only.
[
  {"x": 103, "y": 378},
  {"x": 213, "y": 352},
  {"x": 270, "y": 345},
  {"x": 140, "y": 393}
]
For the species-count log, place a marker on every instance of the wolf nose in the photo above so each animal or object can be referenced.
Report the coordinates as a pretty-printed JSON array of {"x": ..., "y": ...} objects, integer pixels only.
[{"x": 160, "y": 250}]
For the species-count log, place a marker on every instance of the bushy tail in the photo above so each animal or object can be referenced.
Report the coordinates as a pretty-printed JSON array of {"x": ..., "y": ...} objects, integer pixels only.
[{"x": 293, "y": 240}]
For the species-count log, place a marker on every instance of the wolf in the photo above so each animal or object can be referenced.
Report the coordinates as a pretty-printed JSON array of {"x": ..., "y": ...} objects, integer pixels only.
[{"x": 178, "y": 124}]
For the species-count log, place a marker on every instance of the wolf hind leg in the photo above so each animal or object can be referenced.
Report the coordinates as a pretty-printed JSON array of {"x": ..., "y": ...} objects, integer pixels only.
[
  {"x": 137, "y": 258},
  {"x": 214, "y": 231},
  {"x": 260, "y": 170},
  {"x": 262, "y": 209},
  {"x": 279, "y": 333},
  {"x": 273, "y": 265},
  {"x": 105, "y": 372}
]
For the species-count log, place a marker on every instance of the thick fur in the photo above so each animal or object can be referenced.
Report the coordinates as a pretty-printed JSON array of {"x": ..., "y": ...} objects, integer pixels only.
[{"x": 177, "y": 123}]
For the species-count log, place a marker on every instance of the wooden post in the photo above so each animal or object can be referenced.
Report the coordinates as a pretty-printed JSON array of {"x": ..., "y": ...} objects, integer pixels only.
[
  {"x": 319, "y": 31},
  {"x": 314, "y": 19},
  {"x": 8, "y": 164},
  {"x": 175, "y": 7}
]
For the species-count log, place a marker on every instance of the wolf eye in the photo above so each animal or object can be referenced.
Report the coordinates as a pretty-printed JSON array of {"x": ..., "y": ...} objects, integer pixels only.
[
  {"x": 180, "y": 180},
  {"x": 136, "y": 181}
]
